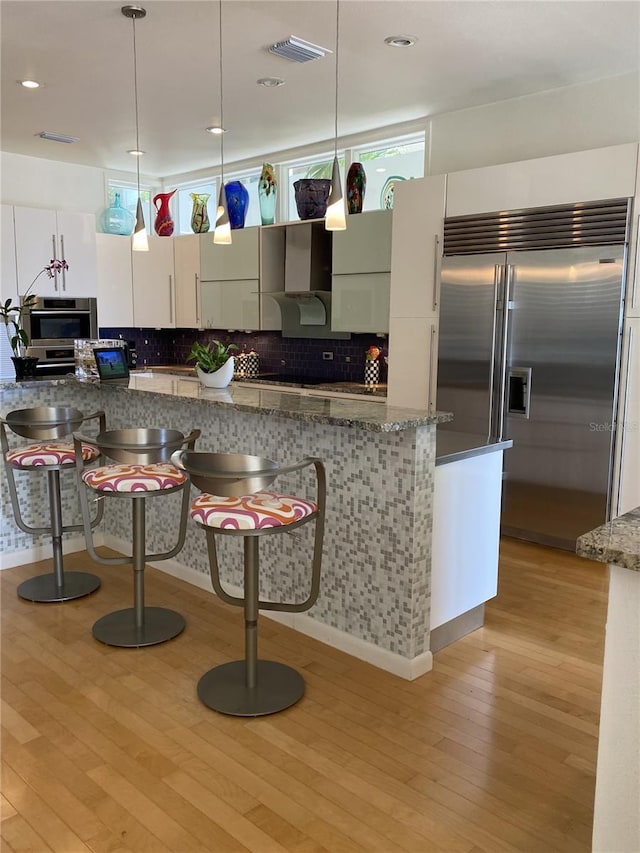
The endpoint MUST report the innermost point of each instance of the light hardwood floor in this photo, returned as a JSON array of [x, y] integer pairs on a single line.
[[109, 750]]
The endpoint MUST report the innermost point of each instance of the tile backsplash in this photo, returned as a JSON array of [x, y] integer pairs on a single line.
[[291, 356]]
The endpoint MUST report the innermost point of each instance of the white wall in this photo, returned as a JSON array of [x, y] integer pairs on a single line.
[[573, 118], [34, 182]]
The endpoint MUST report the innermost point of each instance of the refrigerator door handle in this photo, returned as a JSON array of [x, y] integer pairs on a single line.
[[497, 281], [504, 349]]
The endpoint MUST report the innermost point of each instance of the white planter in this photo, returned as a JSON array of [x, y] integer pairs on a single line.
[[220, 378]]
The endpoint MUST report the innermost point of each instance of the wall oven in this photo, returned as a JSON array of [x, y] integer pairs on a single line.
[[53, 323]]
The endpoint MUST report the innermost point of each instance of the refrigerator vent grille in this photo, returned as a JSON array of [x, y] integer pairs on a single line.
[[598, 223]]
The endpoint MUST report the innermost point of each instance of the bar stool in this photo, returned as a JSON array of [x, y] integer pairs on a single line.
[[142, 471], [235, 503], [47, 425]]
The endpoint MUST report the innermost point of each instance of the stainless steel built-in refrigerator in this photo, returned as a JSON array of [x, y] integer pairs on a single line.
[[530, 325]]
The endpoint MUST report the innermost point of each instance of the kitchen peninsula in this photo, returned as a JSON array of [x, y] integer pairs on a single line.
[[616, 820], [382, 463]]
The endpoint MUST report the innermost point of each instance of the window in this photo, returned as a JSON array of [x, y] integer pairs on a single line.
[[396, 160]]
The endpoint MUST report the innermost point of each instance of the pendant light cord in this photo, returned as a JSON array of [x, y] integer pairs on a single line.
[[135, 96], [221, 100], [335, 134]]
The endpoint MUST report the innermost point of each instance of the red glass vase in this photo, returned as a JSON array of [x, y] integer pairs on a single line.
[[163, 226]]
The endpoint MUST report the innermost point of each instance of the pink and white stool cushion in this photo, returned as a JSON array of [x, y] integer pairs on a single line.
[[51, 453], [250, 512], [134, 478]]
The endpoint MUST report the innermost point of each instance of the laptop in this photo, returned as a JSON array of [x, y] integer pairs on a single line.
[[112, 365]]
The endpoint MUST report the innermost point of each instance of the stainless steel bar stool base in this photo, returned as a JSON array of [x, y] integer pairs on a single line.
[[119, 628], [43, 588], [224, 689]]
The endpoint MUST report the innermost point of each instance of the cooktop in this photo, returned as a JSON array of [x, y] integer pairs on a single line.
[[293, 380]]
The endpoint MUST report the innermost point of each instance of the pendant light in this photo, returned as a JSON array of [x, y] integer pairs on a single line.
[[335, 218], [222, 231], [139, 242]]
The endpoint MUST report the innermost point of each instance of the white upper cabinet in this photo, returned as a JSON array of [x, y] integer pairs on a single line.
[[230, 305], [115, 280], [629, 419], [360, 266], [237, 262], [418, 224], [365, 246], [633, 282], [186, 258], [360, 303], [153, 285], [600, 173], [418, 221], [42, 235]]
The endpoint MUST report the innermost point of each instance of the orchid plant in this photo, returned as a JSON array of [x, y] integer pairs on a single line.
[[12, 315]]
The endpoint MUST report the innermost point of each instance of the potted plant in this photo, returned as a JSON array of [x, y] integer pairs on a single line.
[[214, 363], [13, 319]]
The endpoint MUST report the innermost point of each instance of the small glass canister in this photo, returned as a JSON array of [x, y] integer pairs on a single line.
[[253, 365], [240, 365]]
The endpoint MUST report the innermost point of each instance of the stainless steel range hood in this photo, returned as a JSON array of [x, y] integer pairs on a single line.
[[305, 303], [306, 315]]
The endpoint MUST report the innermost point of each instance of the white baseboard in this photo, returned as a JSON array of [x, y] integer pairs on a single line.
[[407, 668], [43, 552]]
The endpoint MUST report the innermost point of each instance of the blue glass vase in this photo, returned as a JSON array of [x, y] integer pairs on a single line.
[[117, 219], [237, 203]]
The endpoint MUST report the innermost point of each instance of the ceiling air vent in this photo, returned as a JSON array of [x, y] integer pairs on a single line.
[[56, 137], [298, 50]]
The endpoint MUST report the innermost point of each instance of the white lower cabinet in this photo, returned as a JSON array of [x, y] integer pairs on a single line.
[[153, 285], [360, 303], [231, 305], [115, 280]]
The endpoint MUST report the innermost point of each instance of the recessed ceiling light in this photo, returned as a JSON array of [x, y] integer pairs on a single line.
[[136, 153], [401, 41], [216, 129], [381, 169], [30, 84], [270, 82]]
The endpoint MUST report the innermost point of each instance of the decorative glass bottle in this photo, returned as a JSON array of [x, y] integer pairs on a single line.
[[199, 215], [117, 219], [267, 194], [237, 203], [356, 186], [163, 226]]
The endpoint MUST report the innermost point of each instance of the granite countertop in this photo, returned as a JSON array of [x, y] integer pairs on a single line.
[[454, 446], [299, 404], [617, 542]]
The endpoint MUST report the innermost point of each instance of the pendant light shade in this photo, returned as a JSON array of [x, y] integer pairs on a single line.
[[222, 233], [335, 217], [222, 230], [140, 242]]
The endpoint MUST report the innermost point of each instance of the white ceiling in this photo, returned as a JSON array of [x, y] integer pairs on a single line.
[[469, 52]]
